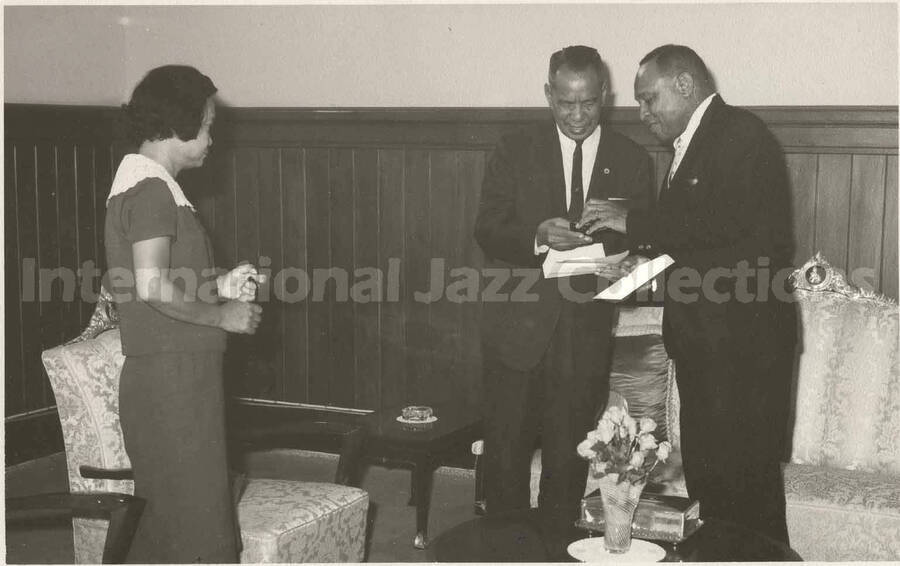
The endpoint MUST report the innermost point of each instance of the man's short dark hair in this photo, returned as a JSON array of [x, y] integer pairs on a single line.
[[169, 101], [674, 59], [577, 58]]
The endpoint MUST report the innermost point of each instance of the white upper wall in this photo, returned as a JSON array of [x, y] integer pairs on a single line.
[[445, 55]]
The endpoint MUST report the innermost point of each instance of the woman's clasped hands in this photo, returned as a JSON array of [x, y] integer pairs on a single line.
[[239, 286], [240, 283]]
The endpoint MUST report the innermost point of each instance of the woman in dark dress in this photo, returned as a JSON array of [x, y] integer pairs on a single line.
[[174, 311]]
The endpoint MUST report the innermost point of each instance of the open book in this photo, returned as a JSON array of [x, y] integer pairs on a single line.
[[634, 280]]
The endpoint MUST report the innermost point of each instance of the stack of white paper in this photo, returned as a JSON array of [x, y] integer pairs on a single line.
[[585, 259]]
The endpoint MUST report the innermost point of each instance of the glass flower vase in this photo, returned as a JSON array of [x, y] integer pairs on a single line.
[[619, 502]]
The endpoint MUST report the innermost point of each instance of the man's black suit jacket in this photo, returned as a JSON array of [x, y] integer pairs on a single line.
[[523, 186], [728, 202]]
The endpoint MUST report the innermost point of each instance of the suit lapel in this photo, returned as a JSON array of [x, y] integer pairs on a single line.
[[603, 166], [549, 176], [709, 117]]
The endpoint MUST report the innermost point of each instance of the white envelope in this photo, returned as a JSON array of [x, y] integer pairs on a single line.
[[579, 261], [633, 281]]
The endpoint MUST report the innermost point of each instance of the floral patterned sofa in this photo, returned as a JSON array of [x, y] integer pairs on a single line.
[[280, 521]]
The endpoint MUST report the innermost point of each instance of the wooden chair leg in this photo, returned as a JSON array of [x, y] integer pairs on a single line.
[[480, 502]]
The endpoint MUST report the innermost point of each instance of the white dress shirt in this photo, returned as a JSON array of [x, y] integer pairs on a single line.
[[682, 142], [588, 157]]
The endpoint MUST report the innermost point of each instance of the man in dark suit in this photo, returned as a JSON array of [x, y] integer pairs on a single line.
[[546, 351], [724, 215]]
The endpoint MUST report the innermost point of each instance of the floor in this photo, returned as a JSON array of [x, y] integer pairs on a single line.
[[391, 520]]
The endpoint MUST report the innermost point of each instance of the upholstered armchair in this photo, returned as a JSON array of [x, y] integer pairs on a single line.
[[842, 484], [280, 520]]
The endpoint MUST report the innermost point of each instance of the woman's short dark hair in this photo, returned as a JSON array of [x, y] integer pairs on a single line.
[[169, 101]]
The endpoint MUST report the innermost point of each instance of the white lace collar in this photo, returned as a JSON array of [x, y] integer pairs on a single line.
[[134, 168]]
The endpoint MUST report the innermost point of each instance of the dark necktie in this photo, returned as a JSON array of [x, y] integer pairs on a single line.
[[576, 203]]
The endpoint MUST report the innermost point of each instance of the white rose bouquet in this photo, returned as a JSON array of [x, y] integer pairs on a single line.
[[623, 446]]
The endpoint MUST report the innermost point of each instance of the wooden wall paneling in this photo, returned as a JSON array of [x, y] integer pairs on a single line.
[[249, 374], [252, 373], [14, 387], [471, 173], [294, 283], [248, 186], [223, 230], [269, 259], [318, 222], [67, 196], [89, 245], [200, 187], [833, 208], [368, 300], [105, 164], [866, 221], [51, 320], [416, 271], [343, 229], [26, 199], [119, 149], [445, 320], [803, 169], [32, 436], [889, 256], [834, 156], [392, 261], [836, 138]]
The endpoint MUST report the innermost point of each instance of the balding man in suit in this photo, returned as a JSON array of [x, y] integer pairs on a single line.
[[724, 215]]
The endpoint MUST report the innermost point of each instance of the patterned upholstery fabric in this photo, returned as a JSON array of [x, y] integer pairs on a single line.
[[89, 418], [842, 515], [848, 389], [280, 520], [288, 521], [89, 408], [105, 317], [638, 321]]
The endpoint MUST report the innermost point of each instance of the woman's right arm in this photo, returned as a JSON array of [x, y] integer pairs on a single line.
[[155, 287]]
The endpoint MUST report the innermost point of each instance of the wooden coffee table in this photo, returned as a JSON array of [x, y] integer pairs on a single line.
[[522, 536], [421, 447]]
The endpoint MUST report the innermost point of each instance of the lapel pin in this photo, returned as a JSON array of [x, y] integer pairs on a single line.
[[606, 171], [693, 181]]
